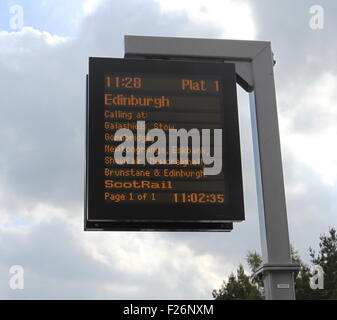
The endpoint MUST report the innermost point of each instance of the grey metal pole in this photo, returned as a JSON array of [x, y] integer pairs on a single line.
[[254, 67], [278, 268]]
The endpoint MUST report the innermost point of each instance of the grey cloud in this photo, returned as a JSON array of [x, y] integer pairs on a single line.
[[312, 210], [302, 54], [303, 57], [57, 267]]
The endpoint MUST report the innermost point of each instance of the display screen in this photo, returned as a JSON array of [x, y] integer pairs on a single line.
[[159, 175]]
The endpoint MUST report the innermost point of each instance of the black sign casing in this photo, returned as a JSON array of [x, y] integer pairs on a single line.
[[153, 215]]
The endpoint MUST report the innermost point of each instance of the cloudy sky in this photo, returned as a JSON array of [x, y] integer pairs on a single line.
[[43, 63]]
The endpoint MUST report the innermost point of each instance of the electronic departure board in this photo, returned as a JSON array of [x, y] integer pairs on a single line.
[[160, 180]]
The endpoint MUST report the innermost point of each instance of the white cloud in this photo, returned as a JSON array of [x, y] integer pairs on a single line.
[[233, 19], [149, 255], [26, 38], [61, 261], [309, 124], [89, 6]]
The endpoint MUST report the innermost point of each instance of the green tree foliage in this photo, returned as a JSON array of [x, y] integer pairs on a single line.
[[327, 259], [254, 261], [247, 287], [238, 287]]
